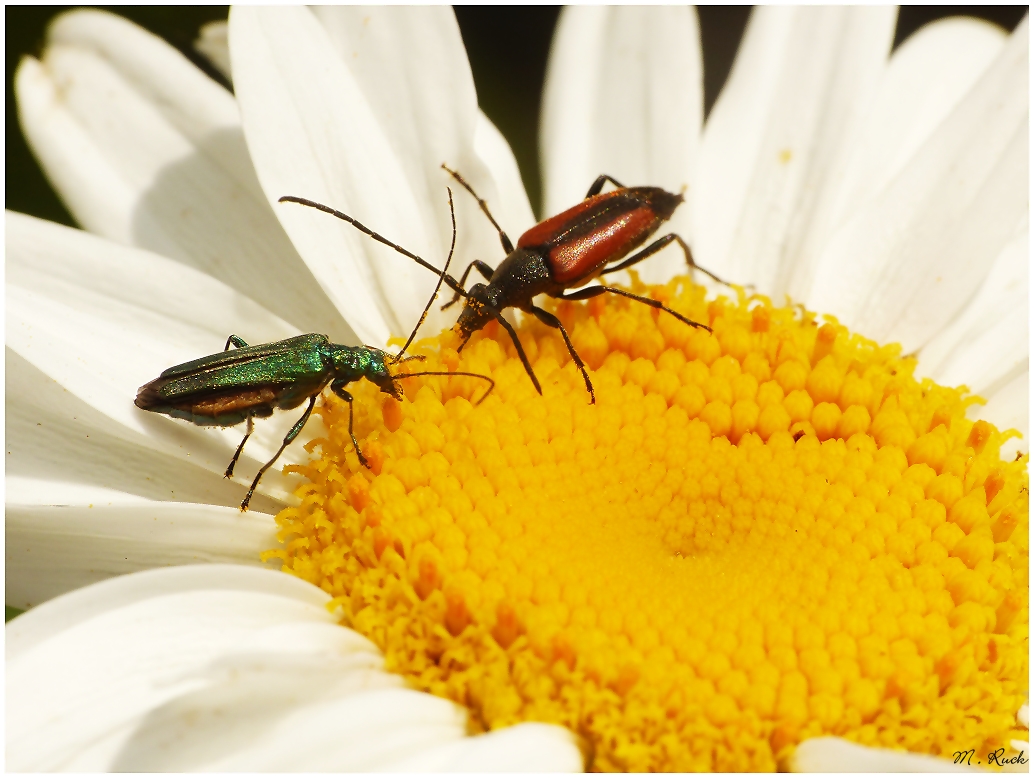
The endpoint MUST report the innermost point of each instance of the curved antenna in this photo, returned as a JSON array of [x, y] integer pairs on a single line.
[[455, 372], [452, 282], [481, 204], [438, 286]]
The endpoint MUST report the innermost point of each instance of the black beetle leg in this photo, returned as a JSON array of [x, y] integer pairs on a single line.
[[482, 268], [520, 349], [597, 185], [594, 291], [656, 246], [240, 448], [552, 321], [237, 341], [338, 388], [503, 238], [291, 435]]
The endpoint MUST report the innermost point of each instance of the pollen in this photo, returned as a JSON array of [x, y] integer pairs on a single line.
[[762, 533]]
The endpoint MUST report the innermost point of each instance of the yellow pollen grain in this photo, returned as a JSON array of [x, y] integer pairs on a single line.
[[760, 534]]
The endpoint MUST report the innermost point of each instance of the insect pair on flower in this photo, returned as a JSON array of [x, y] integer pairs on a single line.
[[555, 256]]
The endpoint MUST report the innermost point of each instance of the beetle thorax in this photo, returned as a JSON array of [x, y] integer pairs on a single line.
[[352, 363]]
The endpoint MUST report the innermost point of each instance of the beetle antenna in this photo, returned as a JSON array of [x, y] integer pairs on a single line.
[[452, 283], [482, 203], [438, 286], [491, 382]]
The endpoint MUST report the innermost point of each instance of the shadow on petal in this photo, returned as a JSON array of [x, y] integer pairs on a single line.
[[241, 244]]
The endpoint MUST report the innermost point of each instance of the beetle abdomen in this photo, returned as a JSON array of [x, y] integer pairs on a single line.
[[248, 399], [222, 409]]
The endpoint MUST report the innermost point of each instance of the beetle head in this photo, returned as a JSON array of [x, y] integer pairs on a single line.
[[368, 362], [379, 374], [390, 385], [478, 311]]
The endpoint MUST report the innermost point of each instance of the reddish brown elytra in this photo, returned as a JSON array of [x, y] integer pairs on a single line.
[[597, 231], [561, 253]]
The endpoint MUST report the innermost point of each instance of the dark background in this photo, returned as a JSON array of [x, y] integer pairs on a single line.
[[507, 47]]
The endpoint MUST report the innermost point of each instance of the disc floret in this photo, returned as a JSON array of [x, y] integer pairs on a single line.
[[759, 534]]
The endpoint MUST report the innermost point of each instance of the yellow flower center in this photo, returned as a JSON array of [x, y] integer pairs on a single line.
[[757, 535]]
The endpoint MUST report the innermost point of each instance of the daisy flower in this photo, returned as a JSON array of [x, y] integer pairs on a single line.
[[795, 540]]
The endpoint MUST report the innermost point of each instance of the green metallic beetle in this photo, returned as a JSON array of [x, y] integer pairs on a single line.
[[238, 385]]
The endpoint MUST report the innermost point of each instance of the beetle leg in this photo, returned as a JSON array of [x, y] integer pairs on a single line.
[[238, 342], [240, 448], [291, 435], [520, 349], [597, 185], [338, 388], [656, 246], [483, 268], [507, 245], [552, 321], [593, 291]]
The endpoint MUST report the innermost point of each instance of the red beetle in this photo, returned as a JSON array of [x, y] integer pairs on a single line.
[[560, 253], [567, 251]]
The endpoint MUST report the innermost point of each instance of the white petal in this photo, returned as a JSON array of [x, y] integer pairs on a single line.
[[775, 144], [224, 668], [314, 132], [83, 669], [411, 66], [924, 80], [213, 42], [70, 610], [835, 755], [73, 164], [61, 451], [51, 550], [624, 96], [522, 748], [355, 733], [989, 339], [1009, 408], [148, 151], [191, 101], [1024, 715], [904, 266], [103, 319], [297, 100]]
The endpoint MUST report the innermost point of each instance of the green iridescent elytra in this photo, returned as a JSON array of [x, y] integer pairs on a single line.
[[227, 388]]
